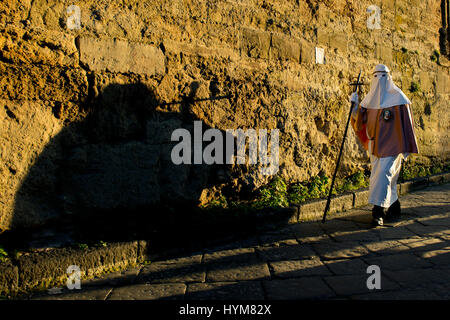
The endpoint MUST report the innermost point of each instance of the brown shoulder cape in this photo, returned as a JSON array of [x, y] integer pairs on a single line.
[[391, 130]]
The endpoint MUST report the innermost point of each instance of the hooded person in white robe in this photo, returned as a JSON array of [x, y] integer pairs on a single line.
[[384, 125]]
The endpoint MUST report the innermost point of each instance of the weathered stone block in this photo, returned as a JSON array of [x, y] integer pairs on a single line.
[[285, 48], [383, 53], [361, 198], [42, 82], [39, 270], [341, 203], [436, 179], [312, 211], [446, 177], [9, 278], [442, 83], [416, 184], [121, 56], [255, 43], [323, 37], [339, 41], [387, 4], [426, 83], [307, 52]]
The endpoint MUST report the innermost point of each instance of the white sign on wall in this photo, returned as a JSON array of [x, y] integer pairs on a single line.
[[320, 55]]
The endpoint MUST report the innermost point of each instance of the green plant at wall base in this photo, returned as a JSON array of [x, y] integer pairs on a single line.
[[412, 171], [278, 193], [298, 193], [274, 195], [317, 187], [353, 182]]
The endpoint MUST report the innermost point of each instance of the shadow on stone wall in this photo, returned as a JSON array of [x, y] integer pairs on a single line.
[[111, 177]]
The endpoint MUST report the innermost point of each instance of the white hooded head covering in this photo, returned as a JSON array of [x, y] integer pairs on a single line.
[[383, 92]]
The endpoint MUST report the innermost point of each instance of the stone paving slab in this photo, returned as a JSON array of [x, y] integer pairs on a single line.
[[232, 255], [339, 250], [386, 247], [426, 279], [185, 269], [299, 268], [235, 271], [244, 290], [398, 261], [294, 289], [439, 258], [354, 236], [310, 232], [243, 243], [82, 294], [347, 266], [435, 220], [427, 231], [286, 252], [164, 291], [338, 225], [114, 279], [421, 244], [395, 233], [268, 239]]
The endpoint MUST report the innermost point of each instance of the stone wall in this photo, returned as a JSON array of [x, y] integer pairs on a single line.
[[86, 114]]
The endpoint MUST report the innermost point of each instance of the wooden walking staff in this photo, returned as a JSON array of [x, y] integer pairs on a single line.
[[357, 84]]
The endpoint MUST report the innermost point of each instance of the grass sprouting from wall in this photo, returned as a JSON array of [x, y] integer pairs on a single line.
[[3, 254]]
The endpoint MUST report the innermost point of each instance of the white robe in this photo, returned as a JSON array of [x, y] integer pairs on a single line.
[[383, 179], [385, 171]]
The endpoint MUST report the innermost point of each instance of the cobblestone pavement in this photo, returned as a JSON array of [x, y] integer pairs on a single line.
[[305, 261]]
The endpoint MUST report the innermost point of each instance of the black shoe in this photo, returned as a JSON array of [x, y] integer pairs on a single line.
[[394, 211], [378, 215], [377, 222]]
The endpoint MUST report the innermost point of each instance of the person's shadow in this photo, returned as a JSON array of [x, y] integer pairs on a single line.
[[110, 177]]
